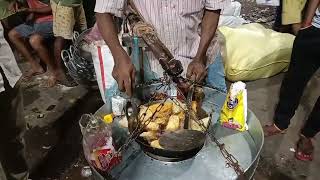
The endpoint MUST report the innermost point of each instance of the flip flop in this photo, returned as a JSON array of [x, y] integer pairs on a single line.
[[300, 154], [303, 157], [275, 130]]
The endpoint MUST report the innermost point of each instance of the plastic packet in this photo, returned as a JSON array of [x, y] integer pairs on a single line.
[[118, 104], [234, 110]]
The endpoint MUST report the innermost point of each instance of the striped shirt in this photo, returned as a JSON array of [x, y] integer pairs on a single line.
[[316, 19], [177, 23]]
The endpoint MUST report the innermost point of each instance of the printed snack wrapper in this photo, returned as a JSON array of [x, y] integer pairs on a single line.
[[234, 110]]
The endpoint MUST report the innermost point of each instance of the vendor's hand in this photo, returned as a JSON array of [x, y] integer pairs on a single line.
[[124, 73], [197, 70]]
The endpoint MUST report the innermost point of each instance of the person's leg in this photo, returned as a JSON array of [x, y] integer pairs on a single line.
[[312, 126], [216, 75], [11, 133], [43, 32], [17, 36], [37, 42], [303, 65], [80, 19], [278, 22], [63, 26], [305, 147]]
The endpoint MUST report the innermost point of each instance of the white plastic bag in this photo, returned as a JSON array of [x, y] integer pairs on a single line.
[[230, 16], [268, 2], [231, 21], [234, 9]]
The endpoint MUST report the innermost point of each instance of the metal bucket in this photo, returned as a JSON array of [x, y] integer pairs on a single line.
[[207, 164]]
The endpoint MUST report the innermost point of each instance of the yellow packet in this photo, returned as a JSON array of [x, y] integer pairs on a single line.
[[234, 110], [108, 118]]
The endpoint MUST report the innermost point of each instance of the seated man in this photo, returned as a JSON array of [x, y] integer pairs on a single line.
[[37, 28]]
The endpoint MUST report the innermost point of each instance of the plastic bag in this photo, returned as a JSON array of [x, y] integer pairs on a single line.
[[231, 21], [268, 2], [98, 144], [234, 110], [234, 9], [94, 36], [252, 52], [230, 16]]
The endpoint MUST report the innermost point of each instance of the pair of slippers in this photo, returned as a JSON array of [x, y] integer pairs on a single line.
[[304, 150]]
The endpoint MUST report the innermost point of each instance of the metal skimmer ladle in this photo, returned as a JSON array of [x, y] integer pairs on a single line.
[[184, 139]]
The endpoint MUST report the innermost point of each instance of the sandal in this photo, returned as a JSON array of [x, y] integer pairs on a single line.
[[271, 130], [305, 149]]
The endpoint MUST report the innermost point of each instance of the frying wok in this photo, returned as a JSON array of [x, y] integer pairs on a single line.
[[131, 111]]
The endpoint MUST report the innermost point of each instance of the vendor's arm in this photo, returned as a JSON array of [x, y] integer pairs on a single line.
[[123, 71], [312, 7], [197, 68], [208, 29]]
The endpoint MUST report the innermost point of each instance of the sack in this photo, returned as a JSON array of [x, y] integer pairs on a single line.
[[268, 2], [234, 110], [103, 65], [252, 52]]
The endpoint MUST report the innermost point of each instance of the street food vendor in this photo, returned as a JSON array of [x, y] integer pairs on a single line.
[[186, 27]]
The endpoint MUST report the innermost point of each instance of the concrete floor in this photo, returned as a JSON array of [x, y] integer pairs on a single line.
[[277, 158]]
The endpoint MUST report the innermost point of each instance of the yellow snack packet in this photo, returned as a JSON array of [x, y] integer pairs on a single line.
[[108, 118], [234, 110]]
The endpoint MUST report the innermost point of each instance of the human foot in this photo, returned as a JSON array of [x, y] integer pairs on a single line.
[[270, 130], [33, 72], [57, 77], [305, 149]]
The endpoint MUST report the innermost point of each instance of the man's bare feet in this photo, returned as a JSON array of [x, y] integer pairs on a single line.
[[33, 72], [270, 130], [58, 77], [305, 149], [52, 81]]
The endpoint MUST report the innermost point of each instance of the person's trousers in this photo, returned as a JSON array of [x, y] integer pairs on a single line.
[[12, 162], [304, 63]]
